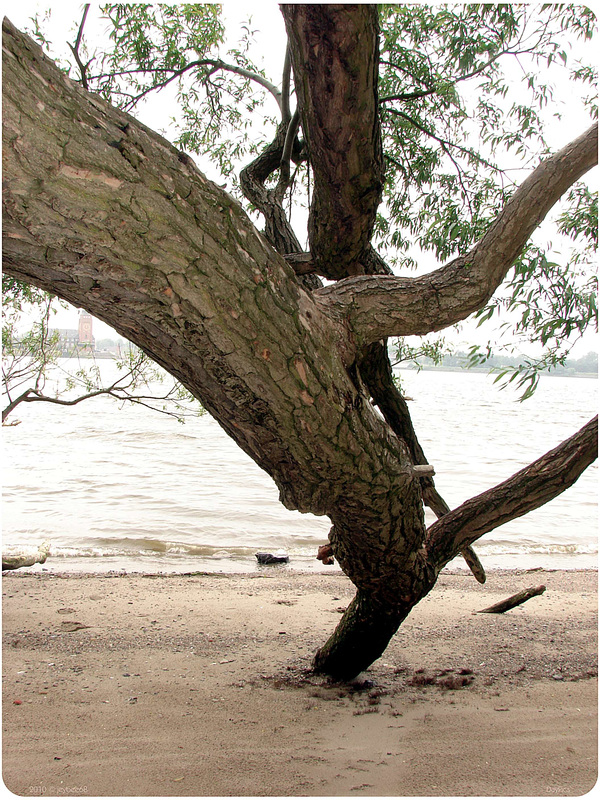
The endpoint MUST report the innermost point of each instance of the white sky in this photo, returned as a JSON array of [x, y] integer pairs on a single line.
[[266, 18]]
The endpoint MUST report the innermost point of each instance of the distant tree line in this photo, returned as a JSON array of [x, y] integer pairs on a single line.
[[586, 365], [106, 344]]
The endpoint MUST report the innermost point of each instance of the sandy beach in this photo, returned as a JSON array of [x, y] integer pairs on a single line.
[[197, 685]]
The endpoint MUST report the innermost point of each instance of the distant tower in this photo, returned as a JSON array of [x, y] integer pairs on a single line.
[[85, 329]]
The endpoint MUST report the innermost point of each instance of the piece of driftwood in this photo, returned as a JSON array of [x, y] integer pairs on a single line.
[[25, 557], [513, 600]]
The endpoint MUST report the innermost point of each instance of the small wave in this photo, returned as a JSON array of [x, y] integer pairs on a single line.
[[537, 549], [296, 545], [132, 548]]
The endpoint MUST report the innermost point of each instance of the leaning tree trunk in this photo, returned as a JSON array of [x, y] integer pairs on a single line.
[[114, 219], [111, 217]]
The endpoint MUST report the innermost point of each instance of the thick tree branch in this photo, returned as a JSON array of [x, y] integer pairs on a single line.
[[372, 263], [334, 50], [108, 215], [525, 491], [377, 307]]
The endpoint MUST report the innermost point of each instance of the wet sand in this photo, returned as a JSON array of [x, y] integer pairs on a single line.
[[198, 685]]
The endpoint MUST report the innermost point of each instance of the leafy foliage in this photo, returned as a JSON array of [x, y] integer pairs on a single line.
[[452, 124], [449, 117], [156, 46], [26, 357], [16, 294], [550, 302], [467, 94], [405, 352]]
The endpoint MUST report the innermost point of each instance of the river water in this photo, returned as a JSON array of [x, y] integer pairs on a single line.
[[131, 489]]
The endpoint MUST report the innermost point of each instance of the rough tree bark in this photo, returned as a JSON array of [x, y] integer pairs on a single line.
[[109, 216], [334, 56]]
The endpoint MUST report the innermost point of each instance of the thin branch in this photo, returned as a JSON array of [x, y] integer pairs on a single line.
[[445, 143], [286, 114], [518, 48], [75, 49], [215, 64], [35, 396], [387, 63], [460, 172], [418, 95], [286, 156], [46, 357]]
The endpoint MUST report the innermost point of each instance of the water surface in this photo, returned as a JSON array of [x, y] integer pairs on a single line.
[[128, 488]]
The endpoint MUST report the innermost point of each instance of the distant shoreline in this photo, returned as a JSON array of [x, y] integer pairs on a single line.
[[288, 571], [490, 371]]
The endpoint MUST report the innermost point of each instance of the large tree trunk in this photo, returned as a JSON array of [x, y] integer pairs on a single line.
[[112, 218], [335, 58], [109, 216]]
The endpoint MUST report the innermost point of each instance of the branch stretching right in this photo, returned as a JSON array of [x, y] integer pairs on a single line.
[[386, 305], [528, 489]]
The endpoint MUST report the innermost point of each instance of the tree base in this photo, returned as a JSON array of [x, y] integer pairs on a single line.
[[361, 637]]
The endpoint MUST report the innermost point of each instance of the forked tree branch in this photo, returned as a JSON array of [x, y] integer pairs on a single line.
[[526, 490], [375, 307]]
